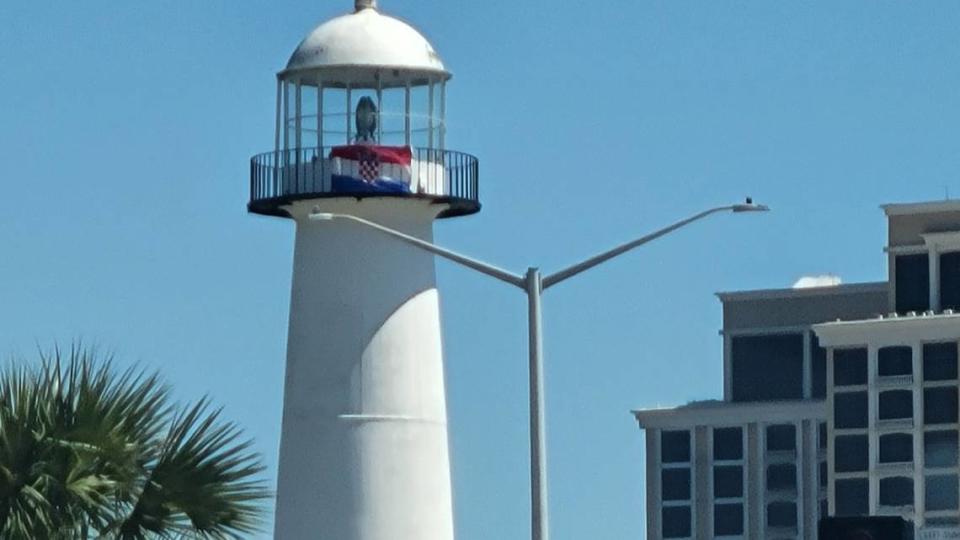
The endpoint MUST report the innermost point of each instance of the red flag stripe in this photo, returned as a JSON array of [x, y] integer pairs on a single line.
[[398, 155]]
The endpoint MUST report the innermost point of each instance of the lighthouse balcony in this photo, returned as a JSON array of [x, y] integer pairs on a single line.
[[444, 177]]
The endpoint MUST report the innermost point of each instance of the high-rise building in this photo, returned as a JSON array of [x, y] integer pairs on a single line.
[[838, 400]]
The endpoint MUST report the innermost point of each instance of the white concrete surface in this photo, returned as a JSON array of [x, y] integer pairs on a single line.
[[364, 450]]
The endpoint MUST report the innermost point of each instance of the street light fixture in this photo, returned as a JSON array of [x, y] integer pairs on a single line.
[[533, 283]]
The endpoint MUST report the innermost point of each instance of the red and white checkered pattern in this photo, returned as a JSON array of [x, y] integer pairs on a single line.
[[370, 168]]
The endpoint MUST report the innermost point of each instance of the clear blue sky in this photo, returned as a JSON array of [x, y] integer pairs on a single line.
[[126, 129]]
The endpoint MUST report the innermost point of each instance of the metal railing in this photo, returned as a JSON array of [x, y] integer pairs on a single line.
[[279, 177]]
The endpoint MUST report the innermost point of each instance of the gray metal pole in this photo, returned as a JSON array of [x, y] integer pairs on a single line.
[[534, 285], [538, 453]]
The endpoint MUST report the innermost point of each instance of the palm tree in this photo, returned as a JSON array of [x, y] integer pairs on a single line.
[[87, 451]]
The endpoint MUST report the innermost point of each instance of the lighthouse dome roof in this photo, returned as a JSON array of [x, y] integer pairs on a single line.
[[364, 48]]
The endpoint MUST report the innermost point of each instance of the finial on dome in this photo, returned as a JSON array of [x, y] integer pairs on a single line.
[[366, 4]]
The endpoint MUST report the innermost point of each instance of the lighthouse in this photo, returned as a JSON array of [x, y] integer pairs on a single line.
[[361, 130]]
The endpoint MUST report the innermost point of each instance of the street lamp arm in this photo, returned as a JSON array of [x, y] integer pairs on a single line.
[[569, 272], [462, 260]]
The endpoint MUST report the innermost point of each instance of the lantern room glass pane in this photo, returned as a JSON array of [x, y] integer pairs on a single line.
[[308, 117], [393, 117], [420, 116], [335, 117]]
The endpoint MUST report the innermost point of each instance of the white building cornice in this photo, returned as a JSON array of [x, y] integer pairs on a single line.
[[886, 331], [902, 209], [778, 294], [714, 413]]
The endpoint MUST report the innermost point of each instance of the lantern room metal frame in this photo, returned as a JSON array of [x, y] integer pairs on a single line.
[[292, 83]]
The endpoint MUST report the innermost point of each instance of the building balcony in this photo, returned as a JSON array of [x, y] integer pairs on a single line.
[[444, 177]]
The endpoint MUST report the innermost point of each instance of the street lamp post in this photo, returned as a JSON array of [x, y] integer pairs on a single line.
[[533, 283]]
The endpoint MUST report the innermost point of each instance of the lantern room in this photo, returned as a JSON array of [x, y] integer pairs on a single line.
[[361, 112]]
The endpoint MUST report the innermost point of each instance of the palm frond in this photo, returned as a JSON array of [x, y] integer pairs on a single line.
[[205, 479], [87, 450]]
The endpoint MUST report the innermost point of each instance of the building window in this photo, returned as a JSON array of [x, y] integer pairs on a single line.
[[675, 484], [940, 405], [896, 404], [676, 521], [849, 367], [781, 438], [727, 481], [940, 449], [767, 368], [728, 519], [675, 447], [940, 362], [896, 491], [913, 283], [941, 492], [950, 280], [850, 453], [727, 444], [818, 368], [853, 497], [850, 410], [896, 448], [894, 361], [782, 514], [782, 477]]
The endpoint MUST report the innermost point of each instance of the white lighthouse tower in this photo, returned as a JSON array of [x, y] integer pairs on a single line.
[[361, 130]]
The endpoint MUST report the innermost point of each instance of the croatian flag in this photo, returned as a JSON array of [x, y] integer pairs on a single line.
[[366, 168]]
